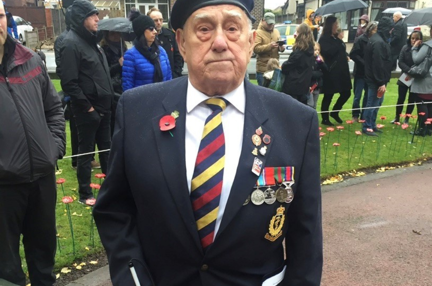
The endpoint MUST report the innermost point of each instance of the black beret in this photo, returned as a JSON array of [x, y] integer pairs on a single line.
[[141, 23], [182, 9]]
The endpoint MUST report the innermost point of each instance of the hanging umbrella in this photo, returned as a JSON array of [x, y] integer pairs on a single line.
[[340, 6], [121, 25], [420, 17], [393, 10]]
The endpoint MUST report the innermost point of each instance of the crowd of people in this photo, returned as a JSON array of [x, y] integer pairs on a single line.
[[319, 64]]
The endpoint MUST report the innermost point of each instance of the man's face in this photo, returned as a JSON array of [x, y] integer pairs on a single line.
[[158, 19], [91, 23], [217, 43], [267, 26], [3, 25], [396, 18]]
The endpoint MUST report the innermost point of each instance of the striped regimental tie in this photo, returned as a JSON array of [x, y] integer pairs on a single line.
[[208, 174]]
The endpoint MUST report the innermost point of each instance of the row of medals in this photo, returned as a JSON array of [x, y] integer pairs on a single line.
[[284, 194]]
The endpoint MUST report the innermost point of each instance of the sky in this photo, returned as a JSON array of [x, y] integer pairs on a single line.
[[271, 4]]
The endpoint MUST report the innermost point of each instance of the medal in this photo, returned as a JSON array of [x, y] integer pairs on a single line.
[[259, 131], [263, 150], [269, 196], [276, 224], [256, 140], [266, 139], [257, 166], [281, 194], [257, 197], [255, 151], [247, 201], [290, 195]]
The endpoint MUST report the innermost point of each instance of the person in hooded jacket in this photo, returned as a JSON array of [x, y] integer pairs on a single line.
[[87, 81], [361, 28], [378, 66], [357, 55], [337, 78], [312, 23], [298, 68], [32, 138], [146, 62]]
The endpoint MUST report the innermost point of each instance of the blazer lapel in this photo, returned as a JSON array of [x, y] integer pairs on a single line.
[[171, 149], [256, 115]]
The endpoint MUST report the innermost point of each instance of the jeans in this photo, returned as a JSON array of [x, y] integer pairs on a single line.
[[313, 98], [92, 127], [260, 78], [370, 114], [359, 86]]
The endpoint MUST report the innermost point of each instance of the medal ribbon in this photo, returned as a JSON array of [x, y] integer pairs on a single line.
[[270, 176], [289, 174], [266, 178]]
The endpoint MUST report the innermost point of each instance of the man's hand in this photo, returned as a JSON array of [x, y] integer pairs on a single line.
[[274, 45], [382, 89], [91, 109]]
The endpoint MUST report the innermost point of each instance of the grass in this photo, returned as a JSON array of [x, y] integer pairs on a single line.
[[389, 148]]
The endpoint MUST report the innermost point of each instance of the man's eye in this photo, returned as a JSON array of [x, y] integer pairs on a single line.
[[232, 29]]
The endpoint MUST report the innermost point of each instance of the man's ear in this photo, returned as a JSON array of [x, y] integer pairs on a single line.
[[181, 43], [252, 36]]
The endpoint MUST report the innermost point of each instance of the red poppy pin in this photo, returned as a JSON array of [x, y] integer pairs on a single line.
[[167, 122]]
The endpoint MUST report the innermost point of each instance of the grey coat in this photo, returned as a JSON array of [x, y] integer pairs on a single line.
[[422, 85]]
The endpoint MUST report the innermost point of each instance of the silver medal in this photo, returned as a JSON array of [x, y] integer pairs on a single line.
[[269, 196], [257, 197], [290, 196]]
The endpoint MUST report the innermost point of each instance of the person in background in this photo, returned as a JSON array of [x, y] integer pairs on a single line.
[[360, 85], [166, 39], [398, 37], [11, 24], [32, 139], [377, 59], [361, 28], [317, 32], [272, 65], [422, 87], [298, 68], [266, 46], [337, 78], [146, 62], [318, 69], [310, 21], [405, 63]]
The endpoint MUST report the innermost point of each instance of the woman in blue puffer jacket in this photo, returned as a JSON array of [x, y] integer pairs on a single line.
[[146, 62]]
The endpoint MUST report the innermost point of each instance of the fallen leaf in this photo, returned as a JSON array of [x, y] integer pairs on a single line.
[[86, 248], [78, 267], [74, 264], [75, 214], [94, 262], [82, 263], [65, 270], [57, 275], [417, 232], [59, 172]]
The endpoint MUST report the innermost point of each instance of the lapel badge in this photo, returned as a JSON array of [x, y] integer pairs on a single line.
[[263, 150], [247, 201], [276, 224], [266, 139], [256, 140], [257, 166], [255, 151], [259, 131]]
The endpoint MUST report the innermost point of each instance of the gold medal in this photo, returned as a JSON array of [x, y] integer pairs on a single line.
[[276, 224], [256, 140]]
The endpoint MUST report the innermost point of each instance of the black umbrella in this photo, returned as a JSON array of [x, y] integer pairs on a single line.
[[121, 25], [393, 10], [340, 6], [420, 17]]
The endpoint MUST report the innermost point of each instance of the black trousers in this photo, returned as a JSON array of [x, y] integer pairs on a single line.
[[325, 104], [423, 105], [402, 92], [92, 127], [28, 209], [74, 135]]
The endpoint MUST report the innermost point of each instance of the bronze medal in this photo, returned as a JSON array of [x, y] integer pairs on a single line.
[[257, 197], [281, 194]]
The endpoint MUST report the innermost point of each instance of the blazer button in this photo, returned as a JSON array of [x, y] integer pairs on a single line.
[[204, 267]]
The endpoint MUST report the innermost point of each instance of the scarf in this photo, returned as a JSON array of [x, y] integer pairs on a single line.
[[152, 55]]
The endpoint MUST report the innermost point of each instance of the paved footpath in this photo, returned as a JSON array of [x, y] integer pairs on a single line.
[[377, 231]]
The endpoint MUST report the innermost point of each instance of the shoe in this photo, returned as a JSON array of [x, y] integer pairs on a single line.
[[336, 117], [406, 120], [88, 202], [355, 119], [74, 167], [420, 132], [95, 164], [370, 133], [376, 130], [327, 122], [394, 120]]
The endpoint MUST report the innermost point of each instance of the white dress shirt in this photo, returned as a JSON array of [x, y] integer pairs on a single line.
[[232, 122]]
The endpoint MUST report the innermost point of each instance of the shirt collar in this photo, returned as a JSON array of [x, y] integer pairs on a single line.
[[236, 98]]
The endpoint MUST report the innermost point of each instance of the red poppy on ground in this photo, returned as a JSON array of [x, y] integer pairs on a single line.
[[67, 200], [336, 144], [429, 119], [340, 127], [408, 115], [349, 122], [319, 128], [60, 181], [100, 176], [358, 132], [379, 126], [330, 129], [362, 121], [322, 134], [404, 126], [402, 115], [428, 123], [95, 186], [422, 113], [383, 118], [167, 123], [414, 116], [397, 123], [369, 129], [90, 202]]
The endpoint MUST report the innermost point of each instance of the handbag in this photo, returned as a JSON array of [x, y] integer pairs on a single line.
[[277, 80], [422, 69]]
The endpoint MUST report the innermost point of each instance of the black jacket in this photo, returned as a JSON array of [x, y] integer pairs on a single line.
[[398, 38], [87, 77], [57, 47], [115, 67], [378, 60], [405, 60], [337, 78], [318, 69], [357, 54], [168, 42], [32, 126], [298, 72]]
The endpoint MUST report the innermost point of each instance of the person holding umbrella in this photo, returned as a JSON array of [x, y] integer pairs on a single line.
[[398, 37], [146, 62]]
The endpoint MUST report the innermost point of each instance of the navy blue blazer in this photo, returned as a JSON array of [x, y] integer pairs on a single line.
[[144, 213]]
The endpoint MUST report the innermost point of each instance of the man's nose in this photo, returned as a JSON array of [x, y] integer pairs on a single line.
[[220, 41]]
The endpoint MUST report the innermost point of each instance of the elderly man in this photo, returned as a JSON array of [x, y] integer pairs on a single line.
[[206, 178], [167, 40], [266, 46], [398, 37], [32, 138]]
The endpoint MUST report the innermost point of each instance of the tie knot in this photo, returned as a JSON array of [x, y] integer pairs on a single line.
[[217, 103]]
